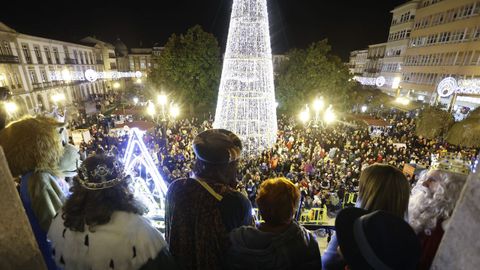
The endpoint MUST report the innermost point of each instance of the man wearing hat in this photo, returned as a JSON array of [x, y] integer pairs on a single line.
[[203, 209]]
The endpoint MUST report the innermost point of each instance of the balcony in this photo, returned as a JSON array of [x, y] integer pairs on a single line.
[[372, 70], [9, 59], [70, 61]]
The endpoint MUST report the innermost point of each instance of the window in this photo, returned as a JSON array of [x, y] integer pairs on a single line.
[[83, 57], [48, 55], [17, 80], [44, 75], [26, 53], [38, 54], [56, 55], [33, 76], [75, 56], [6, 48]]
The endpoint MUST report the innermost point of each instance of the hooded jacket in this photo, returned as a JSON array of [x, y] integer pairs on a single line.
[[252, 249]]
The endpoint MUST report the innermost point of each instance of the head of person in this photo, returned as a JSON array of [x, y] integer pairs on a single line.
[[217, 153], [277, 200], [435, 195], [99, 189], [383, 187], [376, 240]]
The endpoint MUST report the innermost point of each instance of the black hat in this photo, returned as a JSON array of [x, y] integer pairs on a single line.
[[217, 146], [377, 240]]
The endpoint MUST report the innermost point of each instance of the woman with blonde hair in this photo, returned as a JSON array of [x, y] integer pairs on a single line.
[[381, 187], [279, 242]]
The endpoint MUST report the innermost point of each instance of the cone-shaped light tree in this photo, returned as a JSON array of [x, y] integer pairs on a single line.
[[246, 99]]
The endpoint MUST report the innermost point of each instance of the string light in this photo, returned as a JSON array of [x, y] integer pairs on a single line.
[[246, 99], [137, 156]]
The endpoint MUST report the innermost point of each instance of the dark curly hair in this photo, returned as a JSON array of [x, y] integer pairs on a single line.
[[95, 207]]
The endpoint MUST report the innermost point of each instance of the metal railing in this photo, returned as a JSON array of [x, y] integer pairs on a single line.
[[9, 59]]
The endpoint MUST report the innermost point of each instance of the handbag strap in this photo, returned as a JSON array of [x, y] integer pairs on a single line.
[[209, 189]]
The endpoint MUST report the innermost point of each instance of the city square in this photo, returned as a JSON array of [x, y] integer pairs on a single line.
[[242, 134]]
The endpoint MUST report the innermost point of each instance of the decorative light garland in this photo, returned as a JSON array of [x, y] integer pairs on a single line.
[[246, 100], [449, 85], [91, 75]]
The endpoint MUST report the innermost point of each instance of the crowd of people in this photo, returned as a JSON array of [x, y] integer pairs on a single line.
[[325, 163], [397, 221]]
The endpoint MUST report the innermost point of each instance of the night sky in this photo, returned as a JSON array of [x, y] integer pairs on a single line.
[[348, 24]]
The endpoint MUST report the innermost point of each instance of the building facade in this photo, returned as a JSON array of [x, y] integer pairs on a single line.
[[444, 42], [358, 60], [403, 18], [374, 63], [35, 68]]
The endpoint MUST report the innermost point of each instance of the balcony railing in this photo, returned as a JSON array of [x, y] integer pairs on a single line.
[[9, 59], [70, 61]]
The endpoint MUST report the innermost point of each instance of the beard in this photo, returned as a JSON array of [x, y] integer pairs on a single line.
[[422, 210]]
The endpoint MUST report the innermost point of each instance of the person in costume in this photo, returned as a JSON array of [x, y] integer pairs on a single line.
[[101, 224], [203, 209], [35, 151], [432, 202]]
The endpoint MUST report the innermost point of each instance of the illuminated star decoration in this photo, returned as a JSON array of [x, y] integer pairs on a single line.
[[246, 100], [150, 191]]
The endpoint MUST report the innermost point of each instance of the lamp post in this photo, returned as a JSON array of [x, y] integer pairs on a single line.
[[171, 113], [325, 118]]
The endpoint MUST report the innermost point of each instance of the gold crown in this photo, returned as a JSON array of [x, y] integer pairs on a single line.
[[450, 162]]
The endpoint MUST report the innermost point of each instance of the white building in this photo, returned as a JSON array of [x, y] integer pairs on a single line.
[[403, 18], [30, 68], [358, 60]]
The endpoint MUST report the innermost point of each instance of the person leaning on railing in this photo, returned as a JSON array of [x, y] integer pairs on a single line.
[[279, 242], [381, 187]]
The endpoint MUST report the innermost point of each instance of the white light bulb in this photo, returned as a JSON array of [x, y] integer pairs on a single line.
[[246, 99]]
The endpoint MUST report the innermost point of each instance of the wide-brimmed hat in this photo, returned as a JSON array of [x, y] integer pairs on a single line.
[[217, 146], [376, 240]]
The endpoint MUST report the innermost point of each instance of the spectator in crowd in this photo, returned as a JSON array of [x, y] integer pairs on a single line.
[[381, 187], [279, 242], [433, 199], [203, 209], [101, 227], [377, 240]]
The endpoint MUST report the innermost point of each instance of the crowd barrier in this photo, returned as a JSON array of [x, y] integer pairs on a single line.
[[312, 216], [350, 199]]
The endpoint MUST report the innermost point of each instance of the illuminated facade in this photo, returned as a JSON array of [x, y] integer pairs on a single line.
[[445, 42], [357, 62], [28, 64], [403, 17]]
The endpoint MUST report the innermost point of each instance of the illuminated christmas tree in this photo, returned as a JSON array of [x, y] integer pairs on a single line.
[[246, 99]]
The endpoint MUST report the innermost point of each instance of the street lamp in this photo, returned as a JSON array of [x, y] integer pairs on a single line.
[[174, 111], [318, 105], [56, 98], [364, 108], [116, 85], [329, 116], [151, 110], [402, 100], [135, 100], [304, 115], [10, 107]]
